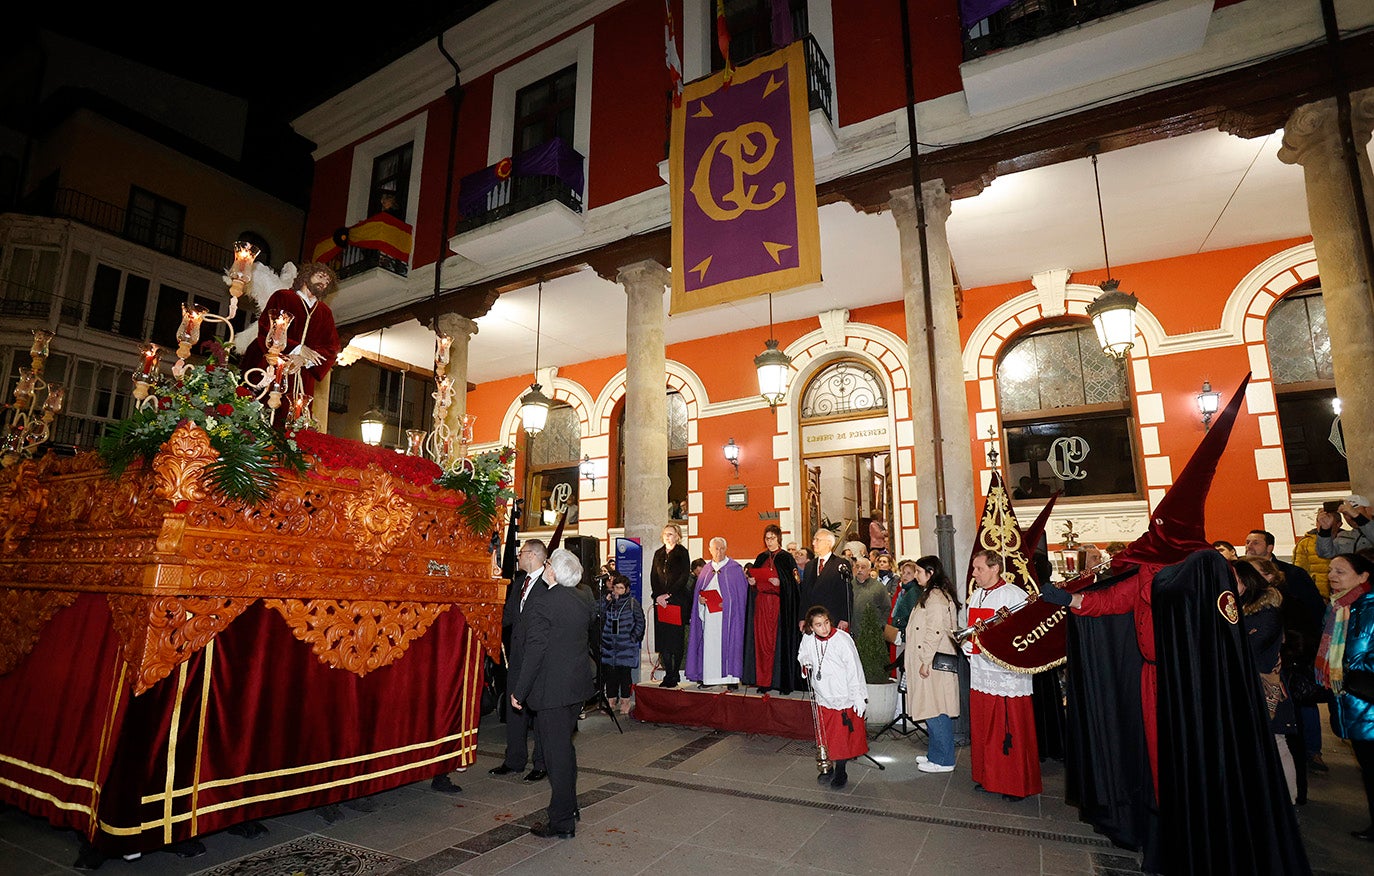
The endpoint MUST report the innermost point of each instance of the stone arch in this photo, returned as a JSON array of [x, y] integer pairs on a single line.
[[679, 378], [884, 352], [559, 389]]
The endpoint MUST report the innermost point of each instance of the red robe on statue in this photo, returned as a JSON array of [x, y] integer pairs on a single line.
[[313, 326]]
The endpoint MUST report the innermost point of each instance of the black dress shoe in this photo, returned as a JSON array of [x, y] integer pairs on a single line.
[[825, 777], [545, 832], [501, 770], [666, 683], [762, 690], [1366, 834], [536, 775], [840, 780], [441, 783]]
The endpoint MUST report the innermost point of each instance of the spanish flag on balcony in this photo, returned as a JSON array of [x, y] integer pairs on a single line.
[[382, 232]]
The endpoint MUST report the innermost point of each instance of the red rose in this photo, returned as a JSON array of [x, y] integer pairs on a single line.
[[209, 366], [164, 403], [224, 409], [243, 392]]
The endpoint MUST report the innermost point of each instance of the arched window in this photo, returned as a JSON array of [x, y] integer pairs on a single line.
[[1305, 387], [677, 460], [1066, 416], [846, 388], [551, 459]]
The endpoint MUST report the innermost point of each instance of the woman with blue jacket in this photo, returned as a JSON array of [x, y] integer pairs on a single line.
[[622, 631], [1345, 663]]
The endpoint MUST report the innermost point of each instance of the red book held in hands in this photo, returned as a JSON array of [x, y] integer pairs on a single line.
[[669, 614], [715, 603]]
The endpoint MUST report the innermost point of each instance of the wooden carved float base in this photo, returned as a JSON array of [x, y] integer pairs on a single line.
[[23, 615], [357, 635]]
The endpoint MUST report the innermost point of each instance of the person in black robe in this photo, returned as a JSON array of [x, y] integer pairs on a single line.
[[670, 584], [1223, 800]]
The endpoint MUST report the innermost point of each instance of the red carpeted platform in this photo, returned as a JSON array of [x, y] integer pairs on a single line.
[[721, 710]]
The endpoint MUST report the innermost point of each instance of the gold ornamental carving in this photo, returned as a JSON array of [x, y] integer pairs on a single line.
[[23, 614], [360, 635], [159, 633], [377, 517], [22, 499], [178, 466]]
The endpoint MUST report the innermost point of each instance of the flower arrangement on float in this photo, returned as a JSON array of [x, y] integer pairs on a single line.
[[487, 479], [252, 453]]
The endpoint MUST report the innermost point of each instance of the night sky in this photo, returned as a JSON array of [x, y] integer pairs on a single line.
[[297, 56]]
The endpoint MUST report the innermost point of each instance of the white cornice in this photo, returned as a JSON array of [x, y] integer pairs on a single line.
[[480, 44]]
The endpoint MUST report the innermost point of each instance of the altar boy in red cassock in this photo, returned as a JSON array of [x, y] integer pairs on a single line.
[[830, 662], [312, 341]]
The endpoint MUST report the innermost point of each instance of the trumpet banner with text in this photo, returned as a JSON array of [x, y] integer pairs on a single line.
[[743, 185]]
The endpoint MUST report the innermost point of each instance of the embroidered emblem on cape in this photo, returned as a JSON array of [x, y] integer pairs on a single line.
[[1226, 604]]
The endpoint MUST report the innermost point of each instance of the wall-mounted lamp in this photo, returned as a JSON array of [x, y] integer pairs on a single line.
[[732, 454], [588, 469], [1208, 401]]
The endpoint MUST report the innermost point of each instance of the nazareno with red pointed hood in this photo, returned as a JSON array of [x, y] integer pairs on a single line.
[[1212, 765]]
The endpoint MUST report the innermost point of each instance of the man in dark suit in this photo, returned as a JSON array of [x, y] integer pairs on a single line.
[[826, 580], [527, 587], [556, 678]]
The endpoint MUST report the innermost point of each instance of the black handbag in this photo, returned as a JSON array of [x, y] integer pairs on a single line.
[[1305, 691], [943, 662]]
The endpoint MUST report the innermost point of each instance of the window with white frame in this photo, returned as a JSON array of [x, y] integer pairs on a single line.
[[1299, 345], [1066, 416]]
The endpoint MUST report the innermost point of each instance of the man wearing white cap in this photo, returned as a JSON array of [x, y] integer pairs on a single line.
[[1356, 510]]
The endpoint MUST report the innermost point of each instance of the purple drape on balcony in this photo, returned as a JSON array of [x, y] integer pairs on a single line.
[[781, 24], [974, 11], [551, 158]]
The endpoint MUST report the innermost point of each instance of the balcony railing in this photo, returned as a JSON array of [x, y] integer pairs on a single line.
[[356, 260], [1025, 20], [102, 215], [551, 171], [818, 91], [338, 397]]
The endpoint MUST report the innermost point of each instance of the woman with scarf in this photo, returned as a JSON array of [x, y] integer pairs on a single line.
[[1345, 663]]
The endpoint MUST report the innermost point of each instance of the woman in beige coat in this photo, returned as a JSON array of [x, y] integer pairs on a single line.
[[932, 682]]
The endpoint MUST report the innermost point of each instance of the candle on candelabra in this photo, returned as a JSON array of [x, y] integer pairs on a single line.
[[443, 397], [149, 354], [189, 332], [41, 339], [23, 390], [415, 442], [53, 403], [245, 254], [276, 334], [465, 435], [300, 406], [441, 353]]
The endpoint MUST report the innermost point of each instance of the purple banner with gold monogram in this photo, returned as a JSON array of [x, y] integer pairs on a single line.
[[743, 185]]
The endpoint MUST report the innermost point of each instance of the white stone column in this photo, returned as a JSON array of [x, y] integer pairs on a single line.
[[645, 436], [949, 373], [461, 329], [1312, 139]]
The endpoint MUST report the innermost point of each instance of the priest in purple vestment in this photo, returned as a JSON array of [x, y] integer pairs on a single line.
[[715, 644]]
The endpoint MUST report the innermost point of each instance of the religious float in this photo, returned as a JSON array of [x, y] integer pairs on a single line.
[[215, 621]]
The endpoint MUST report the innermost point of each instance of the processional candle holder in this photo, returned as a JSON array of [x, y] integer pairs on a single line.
[[241, 274], [29, 418], [276, 335], [1072, 558], [415, 442]]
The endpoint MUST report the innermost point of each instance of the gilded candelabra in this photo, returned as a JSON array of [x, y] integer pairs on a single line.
[[29, 418]]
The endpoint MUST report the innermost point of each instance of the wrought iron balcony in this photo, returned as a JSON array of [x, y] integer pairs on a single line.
[[551, 171], [338, 397], [104, 216], [818, 89], [356, 260], [1025, 20]]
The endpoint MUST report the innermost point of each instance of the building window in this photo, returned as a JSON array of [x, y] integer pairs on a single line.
[[29, 282], [1305, 386], [546, 109], [389, 190], [551, 469], [154, 221], [844, 389], [750, 23], [1066, 417]]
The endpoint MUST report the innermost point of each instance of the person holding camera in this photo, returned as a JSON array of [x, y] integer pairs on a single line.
[[1332, 540]]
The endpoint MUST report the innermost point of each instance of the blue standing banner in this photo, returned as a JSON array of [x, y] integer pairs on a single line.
[[629, 561]]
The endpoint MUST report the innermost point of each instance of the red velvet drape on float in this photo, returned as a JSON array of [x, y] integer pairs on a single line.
[[251, 726], [775, 716]]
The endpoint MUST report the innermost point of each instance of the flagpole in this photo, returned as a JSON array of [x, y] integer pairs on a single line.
[[944, 524]]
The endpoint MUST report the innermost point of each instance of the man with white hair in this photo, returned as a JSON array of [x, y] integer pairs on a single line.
[[556, 678], [826, 580], [715, 640]]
